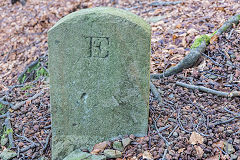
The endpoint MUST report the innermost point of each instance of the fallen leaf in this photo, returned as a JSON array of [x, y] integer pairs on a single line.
[[214, 38], [99, 147], [216, 157], [199, 151], [196, 138], [181, 150], [147, 155]]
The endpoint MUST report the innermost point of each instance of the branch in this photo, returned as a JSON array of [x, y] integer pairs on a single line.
[[18, 105], [195, 53], [162, 3], [208, 90], [47, 142], [228, 24], [9, 128], [155, 92]]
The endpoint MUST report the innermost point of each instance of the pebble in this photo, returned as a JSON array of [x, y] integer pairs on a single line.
[[118, 146], [110, 153], [126, 142], [7, 154], [132, 136], [175, 134], [234, 157], [229, 148]]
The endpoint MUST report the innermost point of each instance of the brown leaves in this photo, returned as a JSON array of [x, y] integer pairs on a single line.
[[199, 151], [214, 38], [196, 138], [100, 147]]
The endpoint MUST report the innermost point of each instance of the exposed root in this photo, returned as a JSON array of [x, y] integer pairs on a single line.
[[195, 53]]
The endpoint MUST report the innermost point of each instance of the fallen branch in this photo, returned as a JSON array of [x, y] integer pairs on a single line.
[[9, 128], [162, 3], [227, 121], [228, 24], [33, 144], [6, 103], [18, 105], [195, 53], [47, 142], [208, 90], [155, 92], [3, 116]]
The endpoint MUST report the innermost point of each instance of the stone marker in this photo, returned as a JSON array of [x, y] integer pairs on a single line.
[[99, 63]]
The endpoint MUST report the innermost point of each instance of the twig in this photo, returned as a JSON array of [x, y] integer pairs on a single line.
[[155, 92], [47, 127], [172, 131], [227, 121], [238, 132], [27, 67], [163, 128], [3, 116], [18, 105], [162, 3], [208, 90], [6, 103], [160, 135], [226, 109], [33, 144], [9, 128], [164, 154], [179, 122], [47, 141], [230, 34]]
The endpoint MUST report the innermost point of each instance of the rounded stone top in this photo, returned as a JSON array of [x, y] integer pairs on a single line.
[[100, 11]]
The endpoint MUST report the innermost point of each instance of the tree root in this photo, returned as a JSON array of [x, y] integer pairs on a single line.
[[155, 92], [195, 53], [208, 90]]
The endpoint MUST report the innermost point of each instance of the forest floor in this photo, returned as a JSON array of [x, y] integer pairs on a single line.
[[187, 124]]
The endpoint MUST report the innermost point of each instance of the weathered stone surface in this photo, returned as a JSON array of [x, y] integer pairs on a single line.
[[110, 153], [79, 155], [99, 63], [118, 146], [7, 154], [126, 142]]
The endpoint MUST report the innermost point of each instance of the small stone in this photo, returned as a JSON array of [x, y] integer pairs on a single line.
[[110, 153], [126, 142], [234, 157], [147, 155], [171, 96], [118, 146], [7, 154], [4, 141], [229, 148], [100, 147], [175, 134], [132, 136], [79, 155]]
